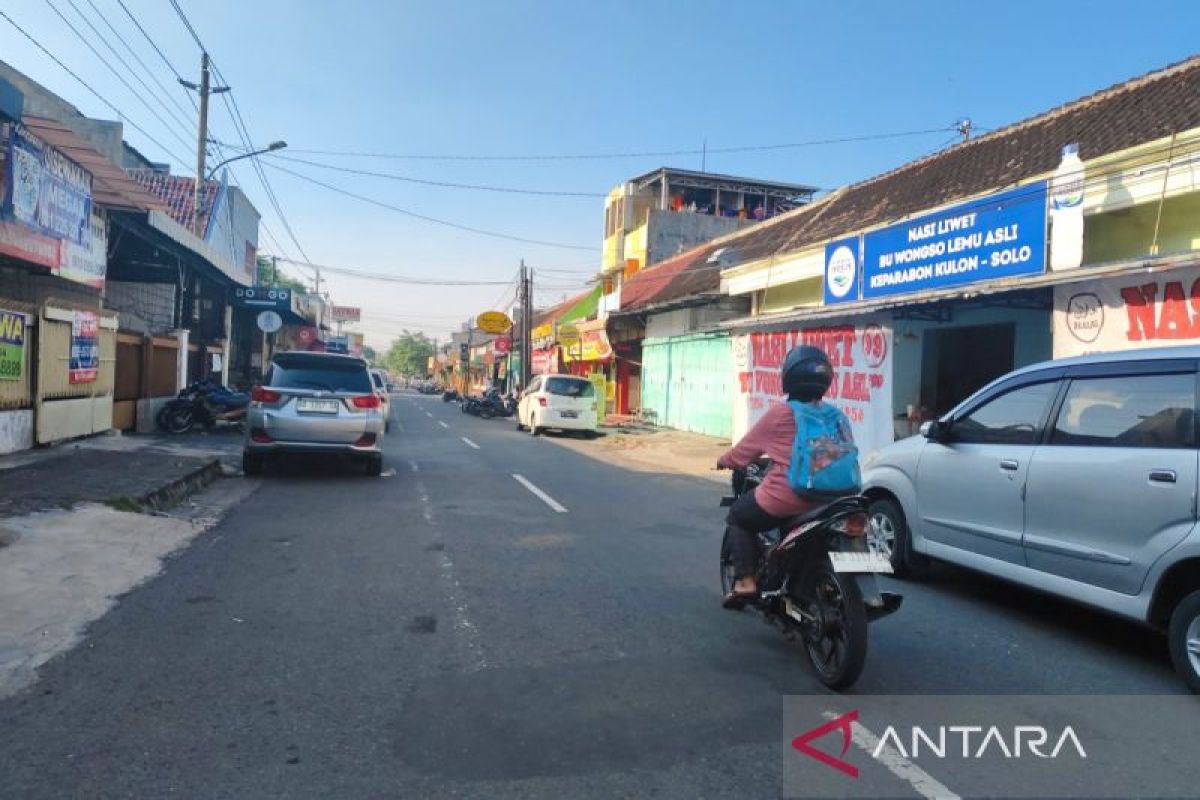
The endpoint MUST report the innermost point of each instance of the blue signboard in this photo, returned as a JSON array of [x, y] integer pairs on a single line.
[[47, 191], [841, 271], [1000, 236]]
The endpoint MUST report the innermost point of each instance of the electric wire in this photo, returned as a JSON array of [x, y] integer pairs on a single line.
[[172, 97], [124, 117], [166, 126], [444, 184], [634, 154], [424, 217], [184, 122]]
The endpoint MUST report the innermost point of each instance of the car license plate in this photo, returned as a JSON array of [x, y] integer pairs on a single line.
[[568, 414], [860, 562], [307, 405]]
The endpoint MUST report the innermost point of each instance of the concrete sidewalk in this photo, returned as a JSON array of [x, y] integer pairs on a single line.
[[69, 546], [152, 471]]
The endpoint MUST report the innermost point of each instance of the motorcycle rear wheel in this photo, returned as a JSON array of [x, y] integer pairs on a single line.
[[835, 636], [179, 420]]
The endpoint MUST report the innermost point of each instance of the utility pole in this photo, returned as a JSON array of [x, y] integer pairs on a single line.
[[964, 128], [526, 325], [204, 89], [274, 270]]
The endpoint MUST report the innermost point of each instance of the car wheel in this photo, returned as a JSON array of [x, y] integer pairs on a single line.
[[534, 428], [253, 463], [1183, 638], [520, 427], [374, 466], [888, 534]]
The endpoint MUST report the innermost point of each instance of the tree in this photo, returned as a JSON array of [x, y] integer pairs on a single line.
[[370, 355], [409, 354], [267, 277]]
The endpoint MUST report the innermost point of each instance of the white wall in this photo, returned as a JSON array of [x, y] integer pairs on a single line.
[[16, 430]]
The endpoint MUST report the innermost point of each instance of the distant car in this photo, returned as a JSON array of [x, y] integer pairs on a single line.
[[383, 389], [315, 403], [561, 402], [1075, 477]]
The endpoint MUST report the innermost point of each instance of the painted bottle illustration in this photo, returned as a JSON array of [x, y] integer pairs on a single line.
[[1066, 211]]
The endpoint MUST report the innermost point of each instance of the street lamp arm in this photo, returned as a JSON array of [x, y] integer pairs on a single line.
[[273, 146]]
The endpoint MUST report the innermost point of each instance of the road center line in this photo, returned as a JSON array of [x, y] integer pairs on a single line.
[[469, 442], [921, 781], [414, 466], [539, 494], [444, 425], [429, 415]]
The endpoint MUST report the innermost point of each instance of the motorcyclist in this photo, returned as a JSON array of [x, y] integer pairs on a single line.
[[806, 376]]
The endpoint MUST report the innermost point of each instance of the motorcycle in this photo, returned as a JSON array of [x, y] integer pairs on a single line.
[[203, 403], [450, 396], [490, 404], [817, 580]]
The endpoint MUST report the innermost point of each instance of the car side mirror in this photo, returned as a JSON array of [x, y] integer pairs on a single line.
[[936, 430]]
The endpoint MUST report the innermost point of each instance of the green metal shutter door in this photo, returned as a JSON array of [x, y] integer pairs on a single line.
[[688, 383]]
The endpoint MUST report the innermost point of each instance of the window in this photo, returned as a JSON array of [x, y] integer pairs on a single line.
[[322, 373], [570, 387], [1128, 411], [1011, 418]]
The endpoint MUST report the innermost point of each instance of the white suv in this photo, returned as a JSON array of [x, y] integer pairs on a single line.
[[563, 402]]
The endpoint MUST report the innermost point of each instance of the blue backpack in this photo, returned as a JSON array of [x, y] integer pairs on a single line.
[[824, 456]]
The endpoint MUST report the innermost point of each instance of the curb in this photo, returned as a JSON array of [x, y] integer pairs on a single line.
[[177, 491]]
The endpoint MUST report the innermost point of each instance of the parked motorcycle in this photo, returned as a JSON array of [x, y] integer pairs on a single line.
[[450, 396], [817, 583], [203, 403], [490, 404]]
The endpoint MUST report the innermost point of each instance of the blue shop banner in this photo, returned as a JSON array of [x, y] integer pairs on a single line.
[[1000, 236], [47, 191], [841, 271]]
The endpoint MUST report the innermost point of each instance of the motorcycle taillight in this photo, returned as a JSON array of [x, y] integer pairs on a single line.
[[852, 524]]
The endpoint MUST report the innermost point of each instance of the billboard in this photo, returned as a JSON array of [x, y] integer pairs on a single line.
[[999, 236]]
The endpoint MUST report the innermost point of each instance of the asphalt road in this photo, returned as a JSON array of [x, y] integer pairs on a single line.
[[443, 631]]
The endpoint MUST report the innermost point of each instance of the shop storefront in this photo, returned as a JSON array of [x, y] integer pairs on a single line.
[[590, 355]]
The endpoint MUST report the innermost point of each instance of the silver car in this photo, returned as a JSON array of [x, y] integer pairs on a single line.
[[315, 403], [1075, 477]]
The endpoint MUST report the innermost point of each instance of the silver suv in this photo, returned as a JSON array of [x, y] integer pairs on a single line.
[[1075, 477], [315, 403]]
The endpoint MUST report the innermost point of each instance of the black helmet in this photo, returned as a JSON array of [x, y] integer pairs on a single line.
[[807, 373]]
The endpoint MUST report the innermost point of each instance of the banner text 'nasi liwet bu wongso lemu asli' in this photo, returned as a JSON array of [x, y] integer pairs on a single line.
[[862, 362]]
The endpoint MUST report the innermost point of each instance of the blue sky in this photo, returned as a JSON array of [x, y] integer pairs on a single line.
[[527, 78]]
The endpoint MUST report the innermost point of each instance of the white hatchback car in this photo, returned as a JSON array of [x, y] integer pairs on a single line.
[[562, 402]]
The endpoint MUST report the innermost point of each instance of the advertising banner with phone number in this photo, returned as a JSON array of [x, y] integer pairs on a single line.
[[12, 345], [85, 347], [861, 354]]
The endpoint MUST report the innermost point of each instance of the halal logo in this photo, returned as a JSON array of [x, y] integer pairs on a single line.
[[841, 271], [1085, 317]]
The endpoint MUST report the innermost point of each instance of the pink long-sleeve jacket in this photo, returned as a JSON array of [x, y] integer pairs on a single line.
[[773, 436]]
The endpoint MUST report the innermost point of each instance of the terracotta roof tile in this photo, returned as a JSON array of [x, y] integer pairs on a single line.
[[176, 192]]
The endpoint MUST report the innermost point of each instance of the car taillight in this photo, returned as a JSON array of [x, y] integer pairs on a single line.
[[542, 402], [365, 401], [260, 436], [852, 524], [366, 440], [263, 395]]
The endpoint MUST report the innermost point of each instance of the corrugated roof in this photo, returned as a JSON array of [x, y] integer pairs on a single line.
[[111, 186], [555, 312], [177, 192], [686, 274]]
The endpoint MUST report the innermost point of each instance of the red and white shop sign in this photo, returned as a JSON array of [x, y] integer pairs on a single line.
[[544, 362], [861, 354], [1128, 313]]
